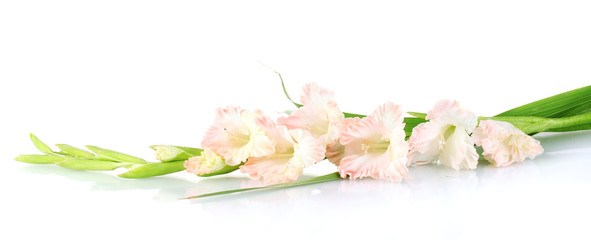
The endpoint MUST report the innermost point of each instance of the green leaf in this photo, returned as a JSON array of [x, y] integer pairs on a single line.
[[39, 159], [411, 123], [154, 169], [40, 145], [92, 165], [321, 179], [122, 157], [566, 104], [74, 151]]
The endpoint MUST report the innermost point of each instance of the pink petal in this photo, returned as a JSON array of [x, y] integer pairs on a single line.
[[278, 134], [504, 144], [307, 149], [375, 146], [378, 166], [312, 93], [445, 138], [388, 114], [320, 114], [425, 143], [452, 113], [336, 151], [272, 169], [235, 136], [288, 164], [205, 163]]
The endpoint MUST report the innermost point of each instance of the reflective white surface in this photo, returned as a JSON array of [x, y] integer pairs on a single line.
[[545, 197], [128, 74]]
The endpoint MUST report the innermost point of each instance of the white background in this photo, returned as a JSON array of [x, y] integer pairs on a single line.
[[127, 74]]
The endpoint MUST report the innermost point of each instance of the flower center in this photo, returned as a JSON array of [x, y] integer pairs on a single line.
[[447, 132], [374, 147]]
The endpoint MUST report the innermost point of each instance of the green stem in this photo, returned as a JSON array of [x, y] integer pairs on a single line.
[[571, 121], [532, 125]]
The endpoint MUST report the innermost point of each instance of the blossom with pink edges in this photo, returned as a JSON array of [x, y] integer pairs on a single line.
[[236, 137], [294, 150], [374, 146], [445, 139], [504, 144]]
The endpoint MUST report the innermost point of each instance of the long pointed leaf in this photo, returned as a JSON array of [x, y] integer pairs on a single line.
[[321, 179], [569, 103]]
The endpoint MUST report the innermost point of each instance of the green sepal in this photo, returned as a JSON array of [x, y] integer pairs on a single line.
[[175, 153], [39, 159], [154, 169], [226, 169], [320, 179], [91, 165], [353, 115], [74, 151], [122, 157], [417, 114], [40, 145]]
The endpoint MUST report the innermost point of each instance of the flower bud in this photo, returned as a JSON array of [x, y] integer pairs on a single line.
[[208, 164], [153, 169], [92, 165], [117, 156], [74, 151], [168, 153]]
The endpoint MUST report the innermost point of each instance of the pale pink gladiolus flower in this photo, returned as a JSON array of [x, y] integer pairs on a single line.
[[336, 151], [235, 136], [205, 163], [504, 144], [294, 150], [320, 114], [445, 138], [375, 146]]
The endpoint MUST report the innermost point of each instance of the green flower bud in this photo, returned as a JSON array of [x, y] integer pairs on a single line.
[[168, 153], [121, 157], [40, 145], [153, 169], [92, 165], [74, 151], [40, 159]]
